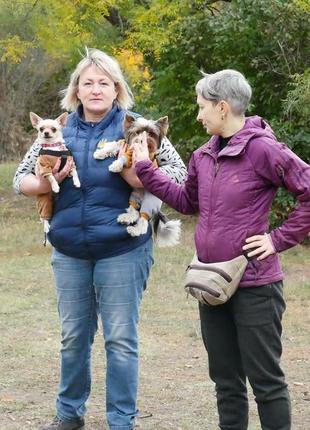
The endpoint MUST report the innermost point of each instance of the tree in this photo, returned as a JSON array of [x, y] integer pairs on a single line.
[[38, 42]]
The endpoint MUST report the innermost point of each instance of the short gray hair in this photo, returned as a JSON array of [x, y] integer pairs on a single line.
[[228, 85], [110, 67]]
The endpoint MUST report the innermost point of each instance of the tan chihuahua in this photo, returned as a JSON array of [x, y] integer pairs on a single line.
[[52, 147]]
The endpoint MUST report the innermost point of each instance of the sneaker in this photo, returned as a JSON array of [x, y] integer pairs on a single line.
[[59, 424]]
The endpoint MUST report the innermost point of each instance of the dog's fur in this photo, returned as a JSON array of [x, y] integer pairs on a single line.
[[52, 147], [140, 210]]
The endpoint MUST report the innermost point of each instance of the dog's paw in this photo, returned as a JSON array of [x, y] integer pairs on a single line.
[[130, 217], [101, 154], [76, 182], [138, 229], [55, 187], [116, 166]]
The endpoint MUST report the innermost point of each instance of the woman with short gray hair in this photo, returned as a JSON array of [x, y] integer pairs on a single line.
[[231, 184]]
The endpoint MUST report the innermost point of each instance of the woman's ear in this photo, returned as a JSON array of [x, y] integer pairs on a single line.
[[224, 107]]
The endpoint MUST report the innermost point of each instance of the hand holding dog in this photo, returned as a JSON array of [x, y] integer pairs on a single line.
[[59, 175], [263, 245], [141, 151], [129, 173]]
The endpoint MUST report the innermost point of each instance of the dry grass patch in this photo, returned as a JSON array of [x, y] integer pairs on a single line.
[[175, 388]]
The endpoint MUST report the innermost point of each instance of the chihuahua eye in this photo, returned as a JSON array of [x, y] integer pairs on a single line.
[[41, 129], [53, 129]]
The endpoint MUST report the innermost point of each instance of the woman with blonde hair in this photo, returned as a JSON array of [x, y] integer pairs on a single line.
[[100, 270], [232, 181]]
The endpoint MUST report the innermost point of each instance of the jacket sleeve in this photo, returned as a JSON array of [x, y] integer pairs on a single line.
[[183, 198], [27, 165], [170, 162], [277, 163]]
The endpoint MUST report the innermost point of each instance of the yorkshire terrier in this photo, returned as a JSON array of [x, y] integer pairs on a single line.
[[142, 205], [52, 147]]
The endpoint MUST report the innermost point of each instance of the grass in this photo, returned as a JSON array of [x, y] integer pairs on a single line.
[[174, 383]]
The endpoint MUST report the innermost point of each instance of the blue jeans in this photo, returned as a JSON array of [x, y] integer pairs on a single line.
[[112, 288]]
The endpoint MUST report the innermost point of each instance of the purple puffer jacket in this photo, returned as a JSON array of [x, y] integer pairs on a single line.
[[232, 191]]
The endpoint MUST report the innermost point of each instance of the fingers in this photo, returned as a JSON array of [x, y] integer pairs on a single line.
[[262, 244], [141, 151], [123, 148], [64, 172], [56, 166]]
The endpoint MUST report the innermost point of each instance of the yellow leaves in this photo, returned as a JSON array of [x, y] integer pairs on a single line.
[[13, 49], [93, 8], [132, 62], [58, 27], [59, 31], [303, 5], [155, 27]]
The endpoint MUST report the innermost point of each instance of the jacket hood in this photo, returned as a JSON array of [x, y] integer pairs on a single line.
[[254, 126]]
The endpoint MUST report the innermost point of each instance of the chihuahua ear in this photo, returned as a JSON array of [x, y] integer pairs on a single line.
[[35, 119], [128, 120], [62, 119], [163, 125]]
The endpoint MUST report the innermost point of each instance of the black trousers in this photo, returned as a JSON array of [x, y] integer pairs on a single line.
[[243, 341]]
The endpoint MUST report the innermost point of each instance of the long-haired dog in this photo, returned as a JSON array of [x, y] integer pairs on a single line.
[[142, 205], [52, 147]]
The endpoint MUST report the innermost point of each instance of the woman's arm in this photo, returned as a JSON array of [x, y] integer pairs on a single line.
[[279, 165], [169, 162], [130, 176], [27, 182], [26, 168], [31, 185], [183, 198]]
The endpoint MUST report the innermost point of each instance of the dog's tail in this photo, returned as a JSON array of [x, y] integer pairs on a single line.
[[167, 232]]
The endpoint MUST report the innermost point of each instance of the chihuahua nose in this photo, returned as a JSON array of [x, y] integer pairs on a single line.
[[46, 134]]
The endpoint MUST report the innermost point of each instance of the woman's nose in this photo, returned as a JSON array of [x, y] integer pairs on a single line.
[[96, 89]]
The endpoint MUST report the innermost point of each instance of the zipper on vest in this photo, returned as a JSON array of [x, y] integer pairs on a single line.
[[85, 169]]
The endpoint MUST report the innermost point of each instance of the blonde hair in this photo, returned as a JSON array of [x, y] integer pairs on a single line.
[[110, 67]]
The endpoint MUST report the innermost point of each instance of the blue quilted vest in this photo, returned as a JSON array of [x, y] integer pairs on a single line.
[[84, 223]]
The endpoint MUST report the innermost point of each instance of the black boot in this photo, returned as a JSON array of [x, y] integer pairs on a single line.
[[58, 424]]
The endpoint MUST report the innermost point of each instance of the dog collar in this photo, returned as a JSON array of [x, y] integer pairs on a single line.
[[51, 145]]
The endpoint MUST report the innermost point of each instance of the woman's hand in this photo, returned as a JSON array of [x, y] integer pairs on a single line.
[[129, 173], [263, 245], [32, 185], [64, 172], [58, 175], [141, 150]]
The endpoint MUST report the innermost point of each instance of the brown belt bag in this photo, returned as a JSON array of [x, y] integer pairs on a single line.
[[214, 283]]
